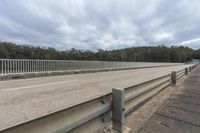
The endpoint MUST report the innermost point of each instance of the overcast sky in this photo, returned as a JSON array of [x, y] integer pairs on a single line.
[[100, 24]]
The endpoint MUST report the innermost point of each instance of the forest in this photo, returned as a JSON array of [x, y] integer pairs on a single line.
[[160, 53]]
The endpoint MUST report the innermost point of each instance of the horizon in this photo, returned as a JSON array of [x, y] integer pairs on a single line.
[[84, 25]]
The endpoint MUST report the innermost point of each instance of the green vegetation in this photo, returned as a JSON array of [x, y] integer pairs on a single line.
[[142, 54]]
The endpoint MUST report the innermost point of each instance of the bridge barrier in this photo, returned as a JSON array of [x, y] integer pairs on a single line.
[[91, 116], [18, 67], [133, 97], [180, 73], [97, 114]]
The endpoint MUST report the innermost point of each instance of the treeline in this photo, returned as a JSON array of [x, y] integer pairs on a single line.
[[141, 54]]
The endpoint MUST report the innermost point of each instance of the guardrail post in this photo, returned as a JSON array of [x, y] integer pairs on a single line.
[[173, 77], [190, 69], [186, 71], [118, 115]]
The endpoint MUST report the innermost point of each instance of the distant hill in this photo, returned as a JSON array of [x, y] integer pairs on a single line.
[[139, 54]]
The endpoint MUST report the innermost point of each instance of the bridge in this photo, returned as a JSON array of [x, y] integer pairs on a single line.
[[83, 102]]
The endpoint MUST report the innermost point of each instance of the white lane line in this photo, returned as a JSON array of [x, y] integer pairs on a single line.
[[32, 86]]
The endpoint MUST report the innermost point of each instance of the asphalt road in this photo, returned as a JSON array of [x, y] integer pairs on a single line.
[[26, 99]]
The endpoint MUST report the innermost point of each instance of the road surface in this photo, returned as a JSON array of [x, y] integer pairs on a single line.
[[27, 99]]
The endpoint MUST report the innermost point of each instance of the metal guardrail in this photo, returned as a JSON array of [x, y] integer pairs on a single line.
[[136, 94], [94, 115], [133, 97], [180, 73], [91, 116], [26, 66]]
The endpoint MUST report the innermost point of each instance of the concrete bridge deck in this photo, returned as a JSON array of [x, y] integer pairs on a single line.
[[28, 99], [180, 113]]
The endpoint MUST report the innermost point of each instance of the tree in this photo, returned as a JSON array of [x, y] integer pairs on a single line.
[[141, 54]]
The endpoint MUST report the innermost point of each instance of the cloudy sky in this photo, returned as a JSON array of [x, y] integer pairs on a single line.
[[100, 24]]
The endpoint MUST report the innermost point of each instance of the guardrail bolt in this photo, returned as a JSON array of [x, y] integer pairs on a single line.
[[103, 101], [173, 77], [118, 115], [186, 71]]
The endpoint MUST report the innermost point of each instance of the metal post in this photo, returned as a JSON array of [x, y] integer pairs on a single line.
[[190, 69], [31, 66], [16, 63], [118, 115], [13, 66], [25, 66], [42, 65], [1, 67], [8, 66], [186, 71], [173, 77], [21, 68], [34, 66], [5, 66]]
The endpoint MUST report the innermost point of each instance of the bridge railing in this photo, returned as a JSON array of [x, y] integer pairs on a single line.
[[24, 66], [96, 114], [133, 97]]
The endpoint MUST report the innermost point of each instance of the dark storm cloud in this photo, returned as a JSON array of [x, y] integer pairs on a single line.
[[105, 24]]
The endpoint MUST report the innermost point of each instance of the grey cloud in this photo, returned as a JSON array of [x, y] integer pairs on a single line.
[[105, 24]]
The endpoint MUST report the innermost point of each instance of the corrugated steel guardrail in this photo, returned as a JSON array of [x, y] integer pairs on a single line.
[[136, 94], [94, 115], [180, 73]]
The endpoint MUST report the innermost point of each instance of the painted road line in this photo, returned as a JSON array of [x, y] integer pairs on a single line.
[[32, 86]]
